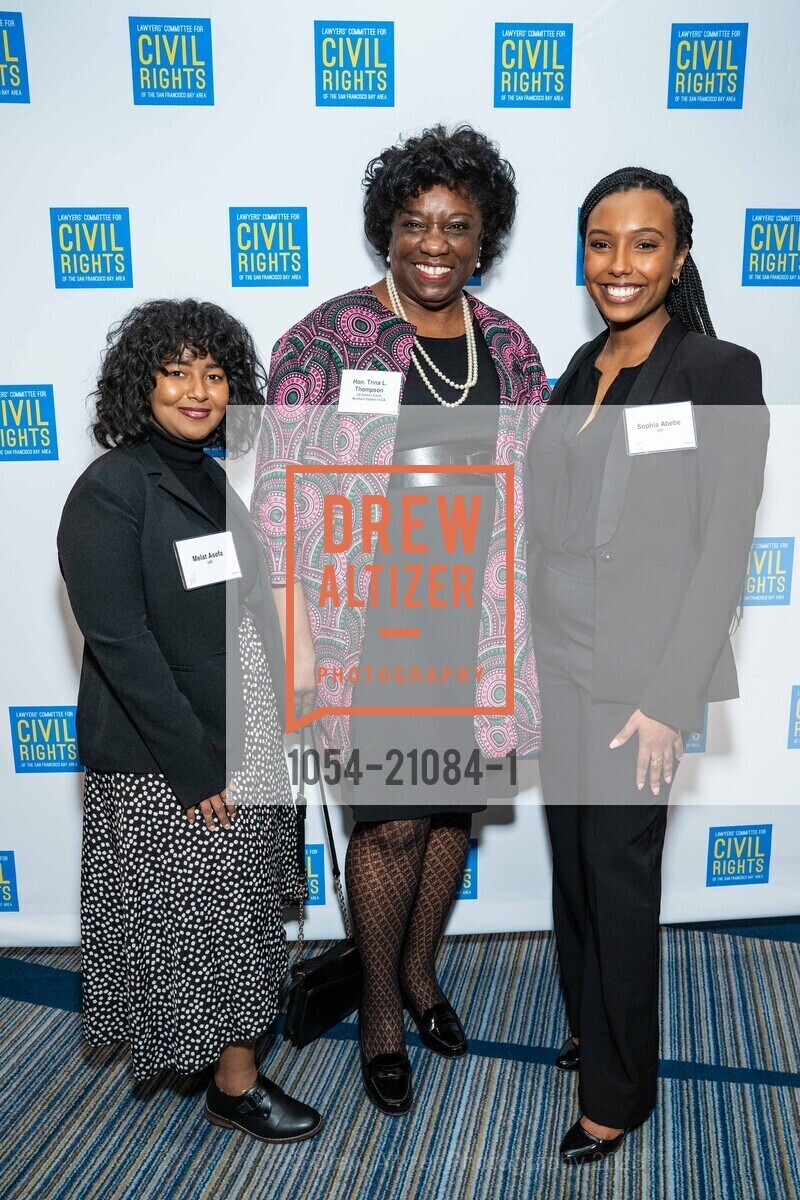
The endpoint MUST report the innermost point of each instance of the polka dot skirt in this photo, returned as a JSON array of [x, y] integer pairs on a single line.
[[183, 945]]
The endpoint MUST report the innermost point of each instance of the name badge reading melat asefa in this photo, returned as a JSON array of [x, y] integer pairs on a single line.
[[207, 559], [653, 428], [370, 392]]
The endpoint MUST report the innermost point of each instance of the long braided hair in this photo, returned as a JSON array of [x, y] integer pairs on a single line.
[[687, 300]]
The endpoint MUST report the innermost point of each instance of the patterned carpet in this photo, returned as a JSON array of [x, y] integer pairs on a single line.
[[73, 1125]]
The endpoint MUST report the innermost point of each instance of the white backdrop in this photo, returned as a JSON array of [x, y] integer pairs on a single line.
[[264, 144]]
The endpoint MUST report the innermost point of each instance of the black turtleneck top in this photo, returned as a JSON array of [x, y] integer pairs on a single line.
[[185, 460]]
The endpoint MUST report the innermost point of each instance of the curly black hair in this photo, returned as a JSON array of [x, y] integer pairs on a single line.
[[465, 161], [158, 332], [686, 299]]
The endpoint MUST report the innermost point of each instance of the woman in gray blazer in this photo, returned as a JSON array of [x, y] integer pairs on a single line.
[[188, 830], [645, 474]]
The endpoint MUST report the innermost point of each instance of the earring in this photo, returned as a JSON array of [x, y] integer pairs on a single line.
[[676, 280], [388, 258], [478, 265]]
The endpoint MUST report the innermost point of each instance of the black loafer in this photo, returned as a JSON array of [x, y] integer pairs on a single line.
[[439, 1029], [580, 1146], [569, 1057], [387, 1081], [264, 1111]]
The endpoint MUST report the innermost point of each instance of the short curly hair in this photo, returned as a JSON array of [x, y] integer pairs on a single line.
[[160, 331], [465, 161]]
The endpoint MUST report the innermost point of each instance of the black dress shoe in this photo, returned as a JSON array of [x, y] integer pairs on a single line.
[[439, 1028], [387, 1081], [580, 1146], [569, 1056], [264, 1111]]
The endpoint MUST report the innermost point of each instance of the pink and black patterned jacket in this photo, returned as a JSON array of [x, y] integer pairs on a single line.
[[302, 425]]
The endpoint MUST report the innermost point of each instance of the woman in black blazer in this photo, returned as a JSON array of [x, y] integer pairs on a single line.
[[188, 836], [642, 522]]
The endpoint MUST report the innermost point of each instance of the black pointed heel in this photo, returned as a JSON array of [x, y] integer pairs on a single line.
[[569, 1057], [579, 1146]]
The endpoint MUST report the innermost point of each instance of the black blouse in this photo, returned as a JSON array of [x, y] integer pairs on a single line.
[[474, 421], [567, 462]]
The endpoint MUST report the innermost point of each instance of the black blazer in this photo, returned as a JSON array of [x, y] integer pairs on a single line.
[[155, 696], [673, 529]]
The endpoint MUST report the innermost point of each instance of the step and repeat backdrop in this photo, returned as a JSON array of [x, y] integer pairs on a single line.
[[217, 150]]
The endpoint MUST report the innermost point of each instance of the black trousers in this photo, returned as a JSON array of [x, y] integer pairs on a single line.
[[607, 843]]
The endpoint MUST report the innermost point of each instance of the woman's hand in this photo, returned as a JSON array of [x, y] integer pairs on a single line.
[[660, 747], [219, 807]]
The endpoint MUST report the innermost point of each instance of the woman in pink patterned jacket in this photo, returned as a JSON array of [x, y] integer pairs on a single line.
[[412, 374]]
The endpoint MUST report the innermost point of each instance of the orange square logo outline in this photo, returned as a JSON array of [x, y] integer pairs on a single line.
[[294, 723]]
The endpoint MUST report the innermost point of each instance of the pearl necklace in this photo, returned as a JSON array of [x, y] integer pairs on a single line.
[[472, 352]]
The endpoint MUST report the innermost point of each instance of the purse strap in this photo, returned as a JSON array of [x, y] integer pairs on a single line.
[[301, 806]]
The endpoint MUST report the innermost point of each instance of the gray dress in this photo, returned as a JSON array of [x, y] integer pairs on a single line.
[[448, 637]]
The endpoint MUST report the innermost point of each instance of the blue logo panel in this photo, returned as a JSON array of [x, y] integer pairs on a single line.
[[269, 247], [771, 247], [91, 247], [738, 854], [315, 873], [579, 276], [706, 66], [9, 896], [27, 421], [171, 60], [696, 742], [354, 64], [14, 87], [794, 720], [44, 740], [469, 882], [532, 66], [769, 572]]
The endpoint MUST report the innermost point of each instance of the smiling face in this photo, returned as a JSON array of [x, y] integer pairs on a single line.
[[190, 396], [434, 246], [630, 255]]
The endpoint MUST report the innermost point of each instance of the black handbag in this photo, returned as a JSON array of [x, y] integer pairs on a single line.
[[325, 988]]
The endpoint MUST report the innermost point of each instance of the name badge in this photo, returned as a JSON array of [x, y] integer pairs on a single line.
[[207, 559], [652, 428], [370, 392]]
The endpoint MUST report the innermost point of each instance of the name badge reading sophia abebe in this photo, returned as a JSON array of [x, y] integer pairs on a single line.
[[207, 559], [653, 428]]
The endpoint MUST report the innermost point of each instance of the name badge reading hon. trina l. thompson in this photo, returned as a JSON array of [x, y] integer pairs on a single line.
[[370, 392]]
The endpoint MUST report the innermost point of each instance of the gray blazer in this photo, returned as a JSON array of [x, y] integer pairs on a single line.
[[673, 529]]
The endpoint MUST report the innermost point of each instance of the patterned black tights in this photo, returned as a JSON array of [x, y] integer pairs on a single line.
[[442, 872], [401, 878]]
